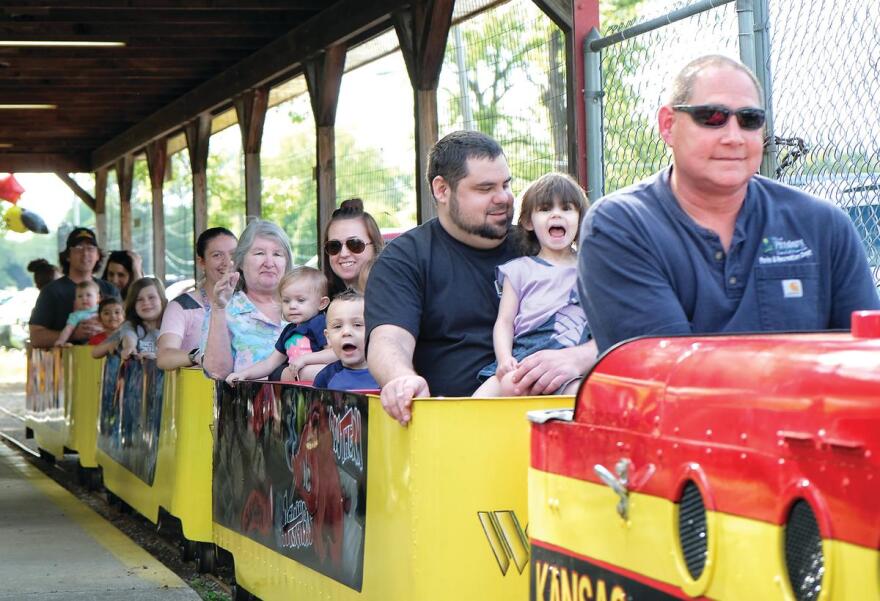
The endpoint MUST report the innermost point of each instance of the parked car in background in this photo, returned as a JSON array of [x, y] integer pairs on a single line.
[[15, 312], [859, 195]]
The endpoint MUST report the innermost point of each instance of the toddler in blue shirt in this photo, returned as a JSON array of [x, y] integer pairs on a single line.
[[303, 295], [345, 333]]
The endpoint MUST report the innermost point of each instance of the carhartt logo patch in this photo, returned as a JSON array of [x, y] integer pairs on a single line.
[[792, 289]]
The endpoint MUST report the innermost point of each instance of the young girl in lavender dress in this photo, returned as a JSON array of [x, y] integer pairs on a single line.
[[539, 306]]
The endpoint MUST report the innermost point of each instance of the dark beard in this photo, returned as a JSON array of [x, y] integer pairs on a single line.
[[482, 230]]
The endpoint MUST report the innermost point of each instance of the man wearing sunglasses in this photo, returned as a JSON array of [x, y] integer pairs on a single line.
[[709, 246]]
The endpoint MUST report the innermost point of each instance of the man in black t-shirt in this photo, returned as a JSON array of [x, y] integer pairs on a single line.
[[80, 260], [431, 301]]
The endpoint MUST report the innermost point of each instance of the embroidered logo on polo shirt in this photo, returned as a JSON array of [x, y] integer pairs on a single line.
[[775, 249], [792, 289]]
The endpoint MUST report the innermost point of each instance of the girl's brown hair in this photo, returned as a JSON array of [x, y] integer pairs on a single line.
[[353, 208], [134, 289], [542, 194]]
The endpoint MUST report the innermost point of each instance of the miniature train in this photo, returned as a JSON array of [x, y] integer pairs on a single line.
[[728, 467]]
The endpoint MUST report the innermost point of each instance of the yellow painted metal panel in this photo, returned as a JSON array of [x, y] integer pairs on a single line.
[[190, 401], [745, 556], [49, 424], [83, 376], [426, 486]]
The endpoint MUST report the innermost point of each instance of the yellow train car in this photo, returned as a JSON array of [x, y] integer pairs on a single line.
[[320, 495], [154, 446], [62, 405]]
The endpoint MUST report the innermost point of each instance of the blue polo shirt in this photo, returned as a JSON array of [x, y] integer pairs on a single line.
[[647, 268], [338, 377]]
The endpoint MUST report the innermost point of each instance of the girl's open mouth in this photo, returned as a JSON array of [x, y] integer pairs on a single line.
[[557, 231]]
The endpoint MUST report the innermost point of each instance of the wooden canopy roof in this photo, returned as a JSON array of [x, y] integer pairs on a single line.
[[180, 58]]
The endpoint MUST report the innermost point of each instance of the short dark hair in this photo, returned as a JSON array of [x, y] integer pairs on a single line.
[[109, 300], [208, 235], [448, 157]]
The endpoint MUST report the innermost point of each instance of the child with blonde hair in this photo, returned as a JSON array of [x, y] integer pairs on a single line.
[[303, 294], [85, 306]]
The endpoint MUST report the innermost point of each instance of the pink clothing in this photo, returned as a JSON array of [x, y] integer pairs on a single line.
[[302, 346], [184, 316]]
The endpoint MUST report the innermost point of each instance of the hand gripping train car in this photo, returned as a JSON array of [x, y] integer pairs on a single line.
[[734, 467]]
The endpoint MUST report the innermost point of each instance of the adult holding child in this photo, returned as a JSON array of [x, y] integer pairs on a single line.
[[181, 330], [431, 303], [80, 260], [244, 320]]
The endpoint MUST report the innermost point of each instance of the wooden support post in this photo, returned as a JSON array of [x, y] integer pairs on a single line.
[[198, 136], [575, 19], [324, 79], [101, 206], [157, 160], [124, 176], [77, 189], [422, 30], [251, 110]]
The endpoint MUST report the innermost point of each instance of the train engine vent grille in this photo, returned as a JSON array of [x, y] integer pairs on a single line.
[[804, 557], [693, 532]]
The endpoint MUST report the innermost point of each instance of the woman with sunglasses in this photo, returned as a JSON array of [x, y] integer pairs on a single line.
[[351, 240]]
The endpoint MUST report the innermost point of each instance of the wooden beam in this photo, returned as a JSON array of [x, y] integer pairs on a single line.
[[124, 180], [427, 132], [17, 5], [198, 136], [157, 161], [422, 30], [77, 189], [250, 108], [340, 22], [43, 162], [101, 207], [560, 11], [100, 31], [324, 80]]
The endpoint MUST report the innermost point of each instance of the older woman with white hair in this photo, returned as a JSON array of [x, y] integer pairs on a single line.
[[245, 317]]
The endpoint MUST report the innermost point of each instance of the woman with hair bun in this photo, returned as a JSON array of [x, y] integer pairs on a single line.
[[351, 240], [44, 272]]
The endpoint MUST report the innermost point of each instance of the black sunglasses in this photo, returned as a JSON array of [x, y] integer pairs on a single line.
[[355, 245], [715, 115]]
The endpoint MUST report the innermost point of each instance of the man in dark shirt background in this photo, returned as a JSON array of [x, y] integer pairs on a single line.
[[80, 260]]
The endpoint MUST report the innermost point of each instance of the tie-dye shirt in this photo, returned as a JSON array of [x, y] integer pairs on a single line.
[[252, 335]]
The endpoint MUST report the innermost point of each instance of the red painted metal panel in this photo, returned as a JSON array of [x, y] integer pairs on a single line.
[[766, 419]]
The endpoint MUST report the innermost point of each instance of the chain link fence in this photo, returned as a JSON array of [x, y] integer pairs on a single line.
[[824, 87], [818, 63], [287, 168], [504, 74]]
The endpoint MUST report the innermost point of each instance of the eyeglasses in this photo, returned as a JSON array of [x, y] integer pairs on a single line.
[[715, 115], [84, 247], [355, 245]]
